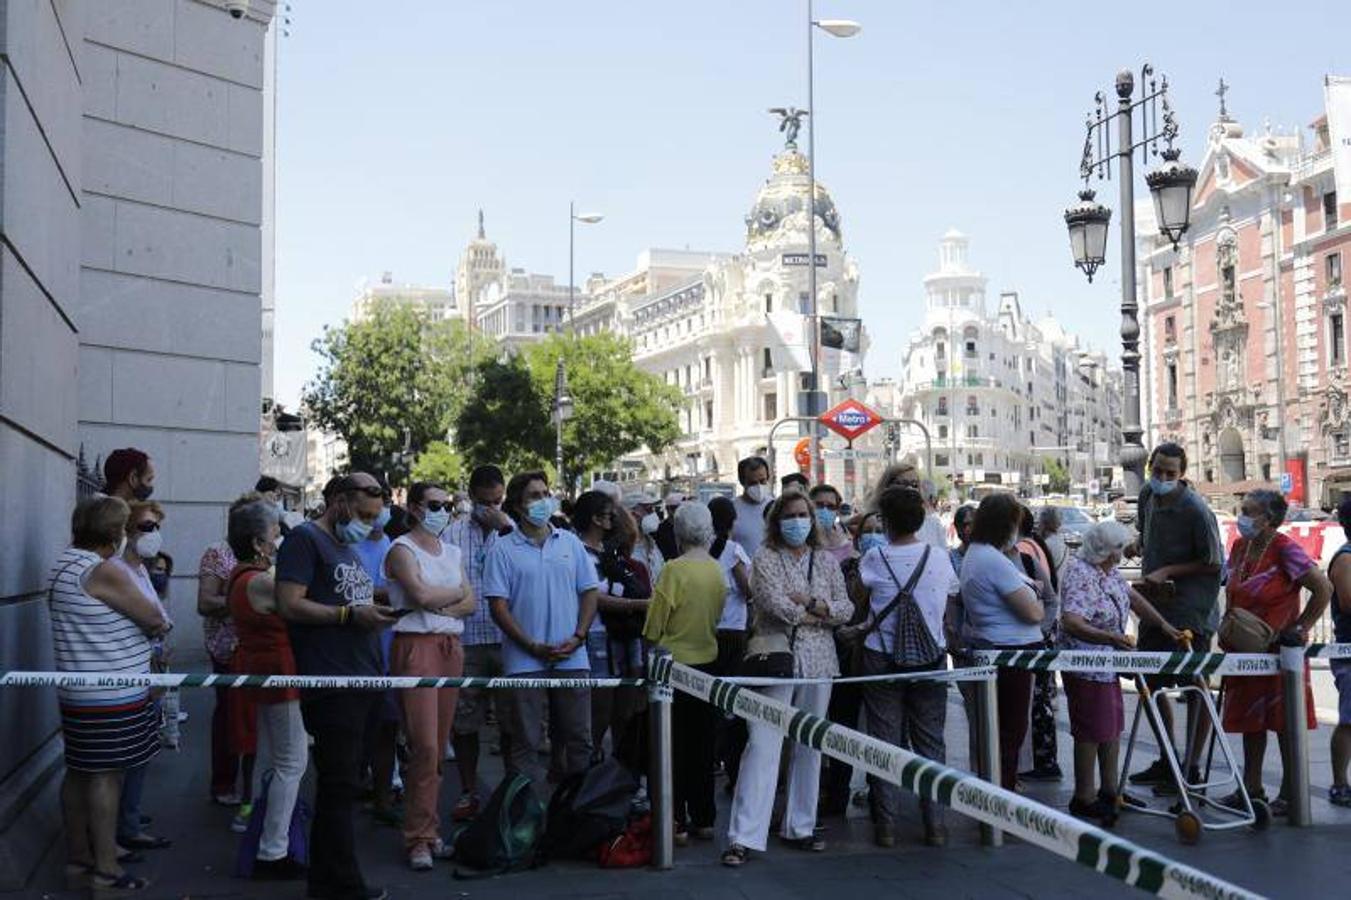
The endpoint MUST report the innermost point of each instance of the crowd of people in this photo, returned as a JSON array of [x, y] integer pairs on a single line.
[[505, 580]]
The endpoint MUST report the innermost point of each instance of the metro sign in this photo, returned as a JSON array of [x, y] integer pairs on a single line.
[[850, 419]]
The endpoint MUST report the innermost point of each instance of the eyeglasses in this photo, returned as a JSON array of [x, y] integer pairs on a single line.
[[147, 527]]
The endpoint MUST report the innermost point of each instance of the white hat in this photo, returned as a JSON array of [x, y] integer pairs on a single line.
[[675, 498], [608, 488], [644, 497]]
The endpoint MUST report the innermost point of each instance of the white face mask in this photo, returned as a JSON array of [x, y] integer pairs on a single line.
[[650, 523], [756, 493], [148, 545]]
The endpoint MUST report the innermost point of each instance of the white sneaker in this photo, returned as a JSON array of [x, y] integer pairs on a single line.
[[240, 823], [420, 858]]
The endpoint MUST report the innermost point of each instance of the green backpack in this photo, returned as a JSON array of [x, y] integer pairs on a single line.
[[506, 835]]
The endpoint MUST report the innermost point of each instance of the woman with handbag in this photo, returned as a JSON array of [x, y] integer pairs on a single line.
[[1267, 571], [908, 585], [797, 597]]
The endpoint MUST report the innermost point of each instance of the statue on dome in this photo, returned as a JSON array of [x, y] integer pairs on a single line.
[[790, 123]]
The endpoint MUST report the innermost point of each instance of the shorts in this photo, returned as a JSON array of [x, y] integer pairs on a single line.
[[1341, 675], [471, 711], [614, 659], [1152, 640]]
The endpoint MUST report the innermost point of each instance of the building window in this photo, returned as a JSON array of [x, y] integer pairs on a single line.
[[1031, 439], [804, 305], [973, 431], [940, 459], [1266, 471], [940, 351], [970, 349], [942, 432], [766, 363], [1172, 385], [1329, 210], [769, 303], [771, 407], [1170, 330], [1339, 444], [942, 406], [708, 413], [980, 459], [1337, 339], [972, 406], [1168, 283], [1332, 266], [708, 368]]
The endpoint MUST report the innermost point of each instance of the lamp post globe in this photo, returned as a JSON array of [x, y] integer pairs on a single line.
[[1172, 184], [1087, 223]]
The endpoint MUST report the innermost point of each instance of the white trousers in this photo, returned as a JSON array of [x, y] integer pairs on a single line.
[[753, 803], [284, 749]]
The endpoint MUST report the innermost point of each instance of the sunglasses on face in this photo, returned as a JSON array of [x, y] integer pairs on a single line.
[[147, 527], [438, 505], [370, 491]]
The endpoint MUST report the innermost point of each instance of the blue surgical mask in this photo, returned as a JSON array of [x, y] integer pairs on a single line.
[[538, 512], [795, 531], [826, 518], [383, 519], [1162, 488], [1247, 527], [436, 522], [354, 531], [870, 539]]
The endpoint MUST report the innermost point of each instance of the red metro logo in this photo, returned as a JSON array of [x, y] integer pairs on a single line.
[[850, 419]]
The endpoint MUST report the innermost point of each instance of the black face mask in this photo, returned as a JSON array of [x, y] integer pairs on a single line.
[[160, 580], [142, 492]]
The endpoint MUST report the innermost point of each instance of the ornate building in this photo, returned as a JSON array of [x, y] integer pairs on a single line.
[[1246, 321]]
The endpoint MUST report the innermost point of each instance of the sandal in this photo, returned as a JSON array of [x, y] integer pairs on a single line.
[[1339, 795], [146, 842], [104, 885], [735, 856]]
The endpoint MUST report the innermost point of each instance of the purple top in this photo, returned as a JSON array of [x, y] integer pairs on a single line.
[[1102, 599]]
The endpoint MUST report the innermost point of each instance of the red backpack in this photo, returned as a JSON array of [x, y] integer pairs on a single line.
[[630, 850]]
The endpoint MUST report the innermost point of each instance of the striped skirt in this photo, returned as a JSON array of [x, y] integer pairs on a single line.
[[108, 739]]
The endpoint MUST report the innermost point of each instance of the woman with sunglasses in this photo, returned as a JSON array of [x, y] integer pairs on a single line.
[[431, 595], [143, 543]]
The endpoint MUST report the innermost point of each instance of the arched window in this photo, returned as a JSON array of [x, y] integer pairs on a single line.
[[970, 335]]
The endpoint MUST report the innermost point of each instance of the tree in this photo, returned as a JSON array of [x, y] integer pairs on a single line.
[[617, 407], [439, 463], [393, 383], [1058, 474]]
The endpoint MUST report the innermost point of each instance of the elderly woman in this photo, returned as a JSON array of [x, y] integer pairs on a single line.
[[101, 622], [999, 600], [1095, 601], [798, 596], [264, 646], [683, 619], [905, 713], [1267, 571]]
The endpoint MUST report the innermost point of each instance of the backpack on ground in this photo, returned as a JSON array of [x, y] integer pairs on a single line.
[[505, 836], [630, 850], [589, 809]]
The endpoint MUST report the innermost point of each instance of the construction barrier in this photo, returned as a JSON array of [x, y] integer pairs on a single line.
[[1048, 828]]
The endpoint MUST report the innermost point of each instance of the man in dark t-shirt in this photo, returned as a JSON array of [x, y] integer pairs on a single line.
[[327, 598]]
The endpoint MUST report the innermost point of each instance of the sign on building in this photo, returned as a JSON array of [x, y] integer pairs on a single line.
[[800, 259], [850, 419]]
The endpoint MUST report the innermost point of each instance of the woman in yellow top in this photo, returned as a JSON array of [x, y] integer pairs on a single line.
[[683, 619]]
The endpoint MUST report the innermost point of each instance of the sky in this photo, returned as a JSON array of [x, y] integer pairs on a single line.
[[398, 121]]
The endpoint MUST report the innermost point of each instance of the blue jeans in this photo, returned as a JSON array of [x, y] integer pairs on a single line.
[[129, 804]]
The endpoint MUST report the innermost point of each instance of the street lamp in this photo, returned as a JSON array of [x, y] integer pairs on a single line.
[[840, 28], [573, 219], [1171, 185], [562, 412]]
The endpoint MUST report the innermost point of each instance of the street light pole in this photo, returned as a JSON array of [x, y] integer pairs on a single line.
[[1132, 451], [562, 411], [573, 219]]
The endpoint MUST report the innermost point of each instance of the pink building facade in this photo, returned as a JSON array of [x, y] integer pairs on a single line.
[[1245, 323]]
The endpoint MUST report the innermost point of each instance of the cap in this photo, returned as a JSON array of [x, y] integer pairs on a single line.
[[644, 497], [608, 488], [675, 499]]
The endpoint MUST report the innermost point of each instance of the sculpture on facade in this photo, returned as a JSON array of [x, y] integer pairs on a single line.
[[790, 123]]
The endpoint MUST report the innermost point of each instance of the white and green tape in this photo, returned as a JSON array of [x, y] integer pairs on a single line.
[[323, 682], [1048, 828], [1134, 663]]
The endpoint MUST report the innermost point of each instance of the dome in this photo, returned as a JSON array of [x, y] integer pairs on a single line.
[[777, 216]]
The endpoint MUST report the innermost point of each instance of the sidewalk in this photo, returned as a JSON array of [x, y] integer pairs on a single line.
[[1282, 862]]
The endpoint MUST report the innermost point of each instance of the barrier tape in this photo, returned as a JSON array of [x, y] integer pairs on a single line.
[[344, 682], [1048, 828], [1139, 663], [1328, 651], [978, 673]]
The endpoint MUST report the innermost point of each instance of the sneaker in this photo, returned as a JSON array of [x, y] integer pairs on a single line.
[[1051, 773], [284, 869], [442, 850], [884, 836], [240, 823], [182, 716], [420, 858], [231, 799], [1157, 773], [465, 808], [704, 833], [1340, 795]]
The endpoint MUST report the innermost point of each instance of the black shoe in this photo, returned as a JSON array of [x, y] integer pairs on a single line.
[[284, 869], [1102, 810], [1157, 773], [1169, 789], [1049, 773], [1127, 800]]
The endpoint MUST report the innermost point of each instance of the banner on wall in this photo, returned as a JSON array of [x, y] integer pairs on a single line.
[[1337, 90]]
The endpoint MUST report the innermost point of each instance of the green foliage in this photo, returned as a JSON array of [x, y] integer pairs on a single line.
[[392, 384], [439, 463], [1058, 473], [617, 407]]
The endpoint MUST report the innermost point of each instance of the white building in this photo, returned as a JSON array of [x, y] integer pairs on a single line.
[[439, 303], [999, 392], [133, 276]]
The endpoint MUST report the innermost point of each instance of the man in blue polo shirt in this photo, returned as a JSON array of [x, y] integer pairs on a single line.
[[541, 587]]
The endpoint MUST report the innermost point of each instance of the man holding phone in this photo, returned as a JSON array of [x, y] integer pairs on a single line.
[[541, 587]]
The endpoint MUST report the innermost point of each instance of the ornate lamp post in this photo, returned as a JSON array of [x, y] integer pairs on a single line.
[[562, 412], [1171, 185]]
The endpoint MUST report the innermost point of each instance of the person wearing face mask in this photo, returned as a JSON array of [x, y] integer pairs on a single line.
[[254, 533], [1002, 612], [1179, 543], [542, 588], [161, 570], [481, 641], [328, 601], [101, 622], [1096, 602], [749, 530], [834, 539], [428, 587], [645, 550], [1268, 572], [954, 625], [730, 732], [798, 596], [128, 474], [144, 540], [664, 536]]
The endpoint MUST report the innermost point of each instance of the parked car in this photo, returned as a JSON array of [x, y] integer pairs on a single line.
[[1074, 521]]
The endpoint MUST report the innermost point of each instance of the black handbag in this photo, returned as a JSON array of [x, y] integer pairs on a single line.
[[773, 663]]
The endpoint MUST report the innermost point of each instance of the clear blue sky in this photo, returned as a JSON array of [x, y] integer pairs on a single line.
[[399, 120]]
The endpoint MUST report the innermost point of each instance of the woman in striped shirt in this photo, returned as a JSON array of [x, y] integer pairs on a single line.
[[101, 622]]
